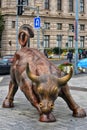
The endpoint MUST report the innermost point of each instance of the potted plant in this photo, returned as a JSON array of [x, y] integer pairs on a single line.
[[65, 67]]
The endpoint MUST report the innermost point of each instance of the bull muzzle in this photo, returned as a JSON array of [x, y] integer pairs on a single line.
[[46, 106]]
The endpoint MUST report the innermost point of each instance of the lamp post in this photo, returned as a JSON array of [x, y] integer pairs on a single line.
[[76, 38]]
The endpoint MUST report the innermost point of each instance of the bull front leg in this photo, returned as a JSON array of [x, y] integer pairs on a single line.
[[77, 110], [8, 102], [27, 89]]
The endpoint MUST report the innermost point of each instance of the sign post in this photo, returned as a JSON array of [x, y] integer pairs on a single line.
[[37, 22]]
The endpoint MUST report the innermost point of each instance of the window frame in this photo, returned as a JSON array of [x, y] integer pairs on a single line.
[[46, 41], [59, 5], [59, 41], [70, 41], [46, 4], [46, 25], [81, 6], [59, 26], [13, 24], [82, 27], [71, 5], [82, 41]]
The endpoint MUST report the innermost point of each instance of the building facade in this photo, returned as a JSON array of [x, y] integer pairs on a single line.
[[57, 23]]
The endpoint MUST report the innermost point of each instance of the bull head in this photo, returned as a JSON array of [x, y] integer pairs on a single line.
[[47, 88]]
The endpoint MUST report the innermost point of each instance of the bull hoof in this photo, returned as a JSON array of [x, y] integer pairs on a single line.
[[7, 104], [47, 118], [79, 112]]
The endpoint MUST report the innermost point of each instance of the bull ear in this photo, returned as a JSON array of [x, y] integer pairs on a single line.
[[65, 79], [31, 75]]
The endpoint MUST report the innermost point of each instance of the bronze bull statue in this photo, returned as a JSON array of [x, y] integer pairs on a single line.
[[40, 81]]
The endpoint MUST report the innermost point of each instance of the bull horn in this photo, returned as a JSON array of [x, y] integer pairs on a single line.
[[65, 79], [32, 76]]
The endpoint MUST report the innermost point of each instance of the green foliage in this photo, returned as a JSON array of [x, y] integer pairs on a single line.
[[49, 51], [57, 50]]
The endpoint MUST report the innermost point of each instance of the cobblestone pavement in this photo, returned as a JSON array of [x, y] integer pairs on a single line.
[[25, 117]]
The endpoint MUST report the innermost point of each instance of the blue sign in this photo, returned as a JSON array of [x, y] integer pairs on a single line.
[[37, 22]]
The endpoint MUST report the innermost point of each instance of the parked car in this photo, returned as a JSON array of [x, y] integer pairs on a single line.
[[4, 66], [8, 57]]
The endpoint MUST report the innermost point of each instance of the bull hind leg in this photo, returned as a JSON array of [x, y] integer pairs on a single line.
[[8, 102], [77, 110]]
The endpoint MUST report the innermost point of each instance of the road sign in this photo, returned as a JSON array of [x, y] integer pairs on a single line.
[[37, 22]]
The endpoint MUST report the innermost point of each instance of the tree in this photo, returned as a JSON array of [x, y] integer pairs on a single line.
[[1, 27]]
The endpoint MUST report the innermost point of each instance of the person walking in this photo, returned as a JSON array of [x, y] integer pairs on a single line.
[[45, 53], [70, 56]]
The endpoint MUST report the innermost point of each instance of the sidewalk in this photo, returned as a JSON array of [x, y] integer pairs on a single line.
[[25, 117]]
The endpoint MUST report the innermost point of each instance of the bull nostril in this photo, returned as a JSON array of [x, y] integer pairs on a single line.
[[41, 104], [52, 106]]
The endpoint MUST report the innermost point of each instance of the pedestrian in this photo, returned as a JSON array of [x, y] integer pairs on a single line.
[[84, 53], [70, 56], [80, 54], [45, 53]]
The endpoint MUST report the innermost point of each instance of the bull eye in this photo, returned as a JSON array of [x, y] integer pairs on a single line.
[[41, 104], [52, 106]]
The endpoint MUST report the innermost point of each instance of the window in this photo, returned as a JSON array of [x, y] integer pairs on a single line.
[[70, 5], [81, 5], [71, 27], [46, 40], [47, 25], [25, 2], [13, 24], [59, 26], [59, 41], [82, 27], [82, 39], [46, 4], [70, 41], [59, 4]]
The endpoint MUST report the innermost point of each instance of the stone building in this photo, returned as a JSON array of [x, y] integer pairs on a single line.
[[57, 23]]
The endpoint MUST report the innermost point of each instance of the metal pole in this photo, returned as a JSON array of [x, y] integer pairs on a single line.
[[16, 28], [68, 41], [76, 38], [59, 49], [38, 31]]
